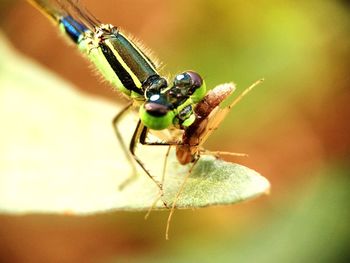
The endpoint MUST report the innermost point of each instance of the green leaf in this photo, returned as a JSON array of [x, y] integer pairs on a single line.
[[59, 153]]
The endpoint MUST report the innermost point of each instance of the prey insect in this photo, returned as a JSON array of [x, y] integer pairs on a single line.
[[209, 115], [161, 105]]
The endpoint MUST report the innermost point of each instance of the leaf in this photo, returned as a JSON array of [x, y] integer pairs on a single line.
[[59, 153], [214, 182]]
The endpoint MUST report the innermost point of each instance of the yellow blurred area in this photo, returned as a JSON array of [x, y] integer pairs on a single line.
[[295, 128]]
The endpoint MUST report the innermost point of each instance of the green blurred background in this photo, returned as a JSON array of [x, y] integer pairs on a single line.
[[295, 128]]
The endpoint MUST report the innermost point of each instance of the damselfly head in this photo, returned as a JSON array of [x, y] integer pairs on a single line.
[[166, 106]]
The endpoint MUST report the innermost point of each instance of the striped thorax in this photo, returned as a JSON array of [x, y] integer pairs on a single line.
[[127, 67]]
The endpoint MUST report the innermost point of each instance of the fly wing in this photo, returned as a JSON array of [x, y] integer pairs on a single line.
[[208, 118], [219, 114], [215, 118]]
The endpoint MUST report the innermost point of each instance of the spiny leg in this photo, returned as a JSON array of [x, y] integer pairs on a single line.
[[136, 138], [178, 196], [143, 141], [116, 121]]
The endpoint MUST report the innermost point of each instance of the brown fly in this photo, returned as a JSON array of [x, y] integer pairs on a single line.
[[209, 116]]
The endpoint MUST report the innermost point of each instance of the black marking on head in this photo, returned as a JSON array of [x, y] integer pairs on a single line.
[[156, 109], [178, 95], [185, 113]]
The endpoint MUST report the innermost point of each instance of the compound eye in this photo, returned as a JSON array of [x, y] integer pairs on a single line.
[[154, 85], [196, 79], [182, 80], [189, 79]]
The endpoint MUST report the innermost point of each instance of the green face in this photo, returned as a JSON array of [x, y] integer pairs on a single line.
[[155, 114]]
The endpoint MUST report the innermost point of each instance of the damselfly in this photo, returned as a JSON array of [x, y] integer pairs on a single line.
[[183, 107], [128, 68]]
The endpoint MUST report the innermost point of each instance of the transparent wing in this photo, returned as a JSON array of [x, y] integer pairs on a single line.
[[56, 9], [209, 116], [218, 115]]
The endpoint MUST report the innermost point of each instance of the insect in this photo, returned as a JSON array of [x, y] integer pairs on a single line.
[[182, 107], [131, 71]]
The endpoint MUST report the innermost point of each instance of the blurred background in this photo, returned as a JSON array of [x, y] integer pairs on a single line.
[[295, 128]]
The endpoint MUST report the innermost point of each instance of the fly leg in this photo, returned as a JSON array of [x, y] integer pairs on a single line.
[[177, 196], [217, 154]]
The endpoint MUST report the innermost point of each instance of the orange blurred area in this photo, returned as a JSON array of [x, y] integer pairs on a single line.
[[294, 127]]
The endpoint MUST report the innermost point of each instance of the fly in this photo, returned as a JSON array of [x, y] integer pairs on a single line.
[[209, 116]]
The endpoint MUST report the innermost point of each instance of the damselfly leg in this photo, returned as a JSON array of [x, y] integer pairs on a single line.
[[117, 119], [139, 136], [136, 139]]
